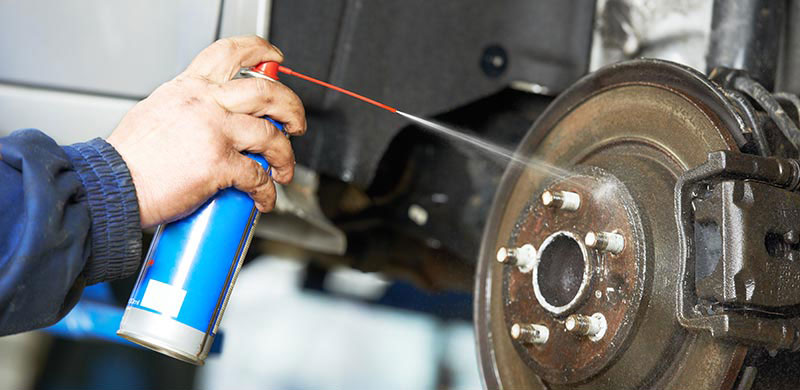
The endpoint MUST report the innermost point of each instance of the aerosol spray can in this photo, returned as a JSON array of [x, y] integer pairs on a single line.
[[189, 272]]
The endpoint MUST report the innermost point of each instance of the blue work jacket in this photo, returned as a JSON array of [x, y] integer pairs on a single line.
[[69, 218]]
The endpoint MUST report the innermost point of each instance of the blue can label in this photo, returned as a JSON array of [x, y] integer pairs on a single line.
[[191, 265]]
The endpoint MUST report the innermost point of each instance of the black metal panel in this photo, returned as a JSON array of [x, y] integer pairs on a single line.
[[421, 56], [453, 183]]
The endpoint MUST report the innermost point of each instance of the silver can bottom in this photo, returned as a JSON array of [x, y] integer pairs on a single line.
[[165, 335]]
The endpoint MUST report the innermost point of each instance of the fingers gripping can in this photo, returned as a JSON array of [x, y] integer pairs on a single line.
[[188, 275]]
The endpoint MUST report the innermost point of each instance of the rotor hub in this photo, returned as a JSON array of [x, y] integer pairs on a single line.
[[588, 301], [570, 280]]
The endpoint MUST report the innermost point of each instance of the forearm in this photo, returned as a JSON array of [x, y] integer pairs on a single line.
[[69, 218]]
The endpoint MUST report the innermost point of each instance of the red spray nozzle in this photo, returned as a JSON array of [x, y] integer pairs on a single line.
[[271, 69]]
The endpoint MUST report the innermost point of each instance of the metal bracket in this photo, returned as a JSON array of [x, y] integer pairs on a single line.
[[707, 195]]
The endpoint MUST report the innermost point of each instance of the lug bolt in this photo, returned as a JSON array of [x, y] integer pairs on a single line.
[[564, 200], [522, 257], [530, 333], [605, 241], [594, 326]]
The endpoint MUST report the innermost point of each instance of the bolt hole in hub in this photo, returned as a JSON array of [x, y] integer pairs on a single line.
[[561, 272]]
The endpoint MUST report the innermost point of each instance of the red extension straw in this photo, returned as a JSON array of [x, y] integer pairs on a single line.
[[271, 70]]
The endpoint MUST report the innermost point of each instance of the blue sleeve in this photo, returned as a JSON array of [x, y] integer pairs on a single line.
[[69, 217]]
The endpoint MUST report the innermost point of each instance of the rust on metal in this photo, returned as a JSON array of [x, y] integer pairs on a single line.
[[614, 285], [643, 123]]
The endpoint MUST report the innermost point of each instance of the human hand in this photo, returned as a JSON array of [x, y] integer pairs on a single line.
[[182, 143]]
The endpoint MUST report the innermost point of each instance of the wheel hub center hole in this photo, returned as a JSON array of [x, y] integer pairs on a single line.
[[561, 270]]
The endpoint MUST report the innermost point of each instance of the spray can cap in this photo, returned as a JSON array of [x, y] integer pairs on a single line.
[[269, 69]]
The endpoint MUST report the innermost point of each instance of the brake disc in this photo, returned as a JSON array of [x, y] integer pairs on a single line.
[[603, 315]]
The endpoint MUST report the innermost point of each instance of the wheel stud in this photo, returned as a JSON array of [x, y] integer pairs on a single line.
[[605, 241], [564, 200], [522, 257], [530, 333], [594, 326]]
